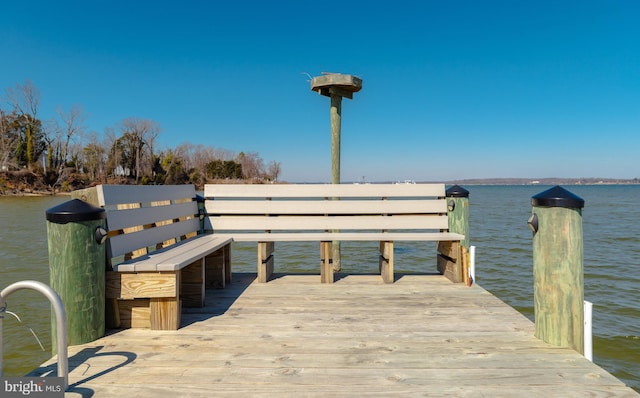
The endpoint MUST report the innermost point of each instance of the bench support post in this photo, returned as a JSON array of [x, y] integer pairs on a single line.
[[193, 287], [218, 268], [265, 261], [112, 313], [326, 263], [165, 313], [450, 260], [226, 254], [386, 261]]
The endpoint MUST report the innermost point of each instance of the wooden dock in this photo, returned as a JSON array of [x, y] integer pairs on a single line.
[[359, 337]]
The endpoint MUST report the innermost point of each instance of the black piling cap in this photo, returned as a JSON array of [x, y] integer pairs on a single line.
[[557, 197], [74, 210], [457, 191]]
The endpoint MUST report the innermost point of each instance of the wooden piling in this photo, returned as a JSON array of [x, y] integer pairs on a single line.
[[451, 254], [77, 268], [458, 209], [558, 274]]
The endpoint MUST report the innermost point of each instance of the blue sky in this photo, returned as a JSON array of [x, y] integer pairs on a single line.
[[451, 89]]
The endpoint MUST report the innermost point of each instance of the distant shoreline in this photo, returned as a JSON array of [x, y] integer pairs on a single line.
[[515, 181], [33, 194], [546, 181]]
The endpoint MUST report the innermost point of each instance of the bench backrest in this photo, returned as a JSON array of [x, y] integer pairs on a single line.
[[142, 218], [310, 208]]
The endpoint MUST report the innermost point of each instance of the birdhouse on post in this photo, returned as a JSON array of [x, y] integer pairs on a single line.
[[336, 86]]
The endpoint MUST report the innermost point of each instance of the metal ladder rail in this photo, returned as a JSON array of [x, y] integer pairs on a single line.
[[61, 322]]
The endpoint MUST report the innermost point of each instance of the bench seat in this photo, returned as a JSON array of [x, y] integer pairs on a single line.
[[177, 256], [347, 236]]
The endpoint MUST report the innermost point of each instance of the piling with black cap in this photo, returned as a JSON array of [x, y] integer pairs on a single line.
[[558, 271], [453, 259], [75, 234], [458, 209]]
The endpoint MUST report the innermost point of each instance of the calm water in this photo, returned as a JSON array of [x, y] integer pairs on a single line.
[[504, 266]]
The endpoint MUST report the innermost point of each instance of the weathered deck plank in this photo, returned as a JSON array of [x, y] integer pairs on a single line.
[[291, 337]]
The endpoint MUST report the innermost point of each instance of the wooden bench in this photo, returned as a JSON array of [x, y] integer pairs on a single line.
[[325, 213], [157, 260]]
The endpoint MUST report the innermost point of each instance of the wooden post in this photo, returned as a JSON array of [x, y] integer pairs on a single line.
[[449, 261], [326, 268], [386, 261], [458, 212], [451, 255], [336, 86], [558, 275], [112, 307], [265, 261], [77, 267], [336, 127]]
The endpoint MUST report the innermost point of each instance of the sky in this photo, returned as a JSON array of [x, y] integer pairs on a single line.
[[451, 89]]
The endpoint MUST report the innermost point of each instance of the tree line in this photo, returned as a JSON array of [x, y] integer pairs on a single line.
[[62, 154]]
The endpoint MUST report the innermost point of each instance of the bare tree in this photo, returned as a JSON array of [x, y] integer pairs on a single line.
[[203, 155], [113, 154], [25, 100], [196, 157], [252, 165], [186, 152], [223, 154], [8, 141], [139, 137], [94, 158], [274, 170], [72, 125]]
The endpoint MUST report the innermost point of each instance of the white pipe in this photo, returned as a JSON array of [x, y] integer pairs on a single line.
[[472, 263], [588, 330], [61, 322]]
